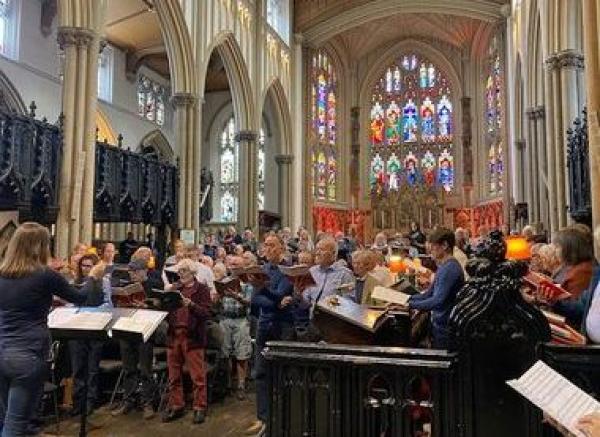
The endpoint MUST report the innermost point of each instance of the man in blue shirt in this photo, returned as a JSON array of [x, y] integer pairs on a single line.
[[441, 295], [274, 323]]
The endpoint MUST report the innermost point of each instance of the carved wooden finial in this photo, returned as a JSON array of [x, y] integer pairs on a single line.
[[120, 141], [32, 108]]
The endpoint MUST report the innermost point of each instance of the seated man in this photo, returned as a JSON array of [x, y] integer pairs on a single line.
[[364, 263], [441, 295]]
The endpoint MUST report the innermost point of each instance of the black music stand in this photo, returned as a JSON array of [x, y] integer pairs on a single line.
[[104, 334]]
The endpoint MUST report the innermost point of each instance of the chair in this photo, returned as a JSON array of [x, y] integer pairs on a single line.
[[113, 366], [51, 387]]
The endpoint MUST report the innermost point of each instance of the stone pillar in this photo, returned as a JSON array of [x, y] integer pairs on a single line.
[[74, 224], [522, 172], [533, 179], [188, 133], [592, 75], [285, 187], [551, 110], [248, 182], [541, 166]]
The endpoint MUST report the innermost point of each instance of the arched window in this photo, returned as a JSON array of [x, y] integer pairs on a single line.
[[494, 113], [324, 126], [151, 100], [412, 127], [228, 173], [8, 27], [261, 170]]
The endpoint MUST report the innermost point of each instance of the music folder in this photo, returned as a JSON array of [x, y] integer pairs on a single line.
[[299, 275], [358, 315], [228, 285], [254, 275], [137, 325]]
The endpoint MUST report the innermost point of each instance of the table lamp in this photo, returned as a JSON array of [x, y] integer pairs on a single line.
[[517, 248]]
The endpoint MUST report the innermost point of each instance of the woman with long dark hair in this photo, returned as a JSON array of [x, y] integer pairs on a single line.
[[26, 289]]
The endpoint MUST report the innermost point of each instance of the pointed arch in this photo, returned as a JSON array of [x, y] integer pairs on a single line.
[[276, 93], [155, 142], [238, 76], [10, 99]]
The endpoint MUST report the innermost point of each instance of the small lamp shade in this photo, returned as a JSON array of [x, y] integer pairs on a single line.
[[517, 248], [396, 264]]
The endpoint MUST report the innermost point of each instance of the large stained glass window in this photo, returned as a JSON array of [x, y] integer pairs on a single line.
[[151, 100], [229, 173], [261, 170], [411, 130], [494, 114], [324, 125]]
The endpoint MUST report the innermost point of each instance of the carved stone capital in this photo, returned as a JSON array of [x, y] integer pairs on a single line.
[[284, 159], [570, 59], [103, 44], [74, 36], [184, 99], [506, 10], [246, 135], [551, 62]]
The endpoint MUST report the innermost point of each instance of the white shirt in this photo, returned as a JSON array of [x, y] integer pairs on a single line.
[[592, 321]]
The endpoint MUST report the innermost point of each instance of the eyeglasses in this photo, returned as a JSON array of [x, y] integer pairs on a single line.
[[89, 266]]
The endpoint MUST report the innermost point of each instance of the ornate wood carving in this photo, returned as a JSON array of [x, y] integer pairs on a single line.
[[496, 333], [580, 203]]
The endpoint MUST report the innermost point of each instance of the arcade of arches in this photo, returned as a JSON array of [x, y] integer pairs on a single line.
[[335, 114]]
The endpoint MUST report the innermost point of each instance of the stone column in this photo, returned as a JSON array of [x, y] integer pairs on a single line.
[[522, 162], [533, 180], [592, 75], [541, 167], [285, 187], [552, 107], [187, 130], [248, 182], [80, 84]]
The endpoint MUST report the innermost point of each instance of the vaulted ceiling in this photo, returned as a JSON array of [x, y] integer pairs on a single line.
[[362, 39]]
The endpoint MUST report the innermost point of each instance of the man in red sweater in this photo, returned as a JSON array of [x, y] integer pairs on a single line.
[[186, 343]]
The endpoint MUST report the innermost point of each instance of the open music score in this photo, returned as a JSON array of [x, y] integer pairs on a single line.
[[129, 295], [536, 280], [390, 295], [561, 332], [139, 325], [555, 395], [299, 275], [228, 285], [80, 319], [254, 275]]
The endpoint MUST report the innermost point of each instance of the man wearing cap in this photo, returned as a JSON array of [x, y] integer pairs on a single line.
[[135, 354], [186, 343]]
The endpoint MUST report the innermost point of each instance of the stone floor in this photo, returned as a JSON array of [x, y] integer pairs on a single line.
[[228, 419]]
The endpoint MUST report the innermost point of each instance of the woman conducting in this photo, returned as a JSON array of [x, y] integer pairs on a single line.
[[26, 289]]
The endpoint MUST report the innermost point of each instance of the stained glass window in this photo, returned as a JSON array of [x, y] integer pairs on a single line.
[[229, 173], [324, 125], [494, 113], [411, 131], [151, 100], [261, 170]]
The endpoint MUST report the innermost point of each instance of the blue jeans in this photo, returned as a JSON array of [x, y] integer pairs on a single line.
[[271, 331], [22, 374]]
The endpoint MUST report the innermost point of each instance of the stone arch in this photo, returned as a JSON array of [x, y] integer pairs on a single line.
[[238, 76], [276, 93], [10, 99], [156, 143]]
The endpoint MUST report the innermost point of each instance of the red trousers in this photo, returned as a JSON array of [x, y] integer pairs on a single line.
[[177, 355]]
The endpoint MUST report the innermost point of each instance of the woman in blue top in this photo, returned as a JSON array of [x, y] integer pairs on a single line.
[[26, 289]]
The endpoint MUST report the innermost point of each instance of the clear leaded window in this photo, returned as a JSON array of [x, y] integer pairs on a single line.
[[105, 74], [7, 26], [278, 17], [151, 100], [229, 173]]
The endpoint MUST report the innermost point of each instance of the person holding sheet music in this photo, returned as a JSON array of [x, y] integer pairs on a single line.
[[186, 342], [137, 357], [26, 289], [275, 322], [441, 295]]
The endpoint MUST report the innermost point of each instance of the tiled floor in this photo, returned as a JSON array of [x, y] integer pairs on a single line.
[[229, 419]]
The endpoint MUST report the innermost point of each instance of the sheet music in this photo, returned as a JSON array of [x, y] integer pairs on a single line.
[[85, 319], [390, 295], [558, 397], [143, 322]]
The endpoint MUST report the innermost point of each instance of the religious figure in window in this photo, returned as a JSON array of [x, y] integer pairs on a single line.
[[428, 165], [411, 169], [332, 175], [445, 119], [427, 121], [321, 176], [446, 171], [331, 117], [377, 124], [392, 131], [377, 175], [423, 76], [388, 81], [397, 81], [409, 122], [394, 173]]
